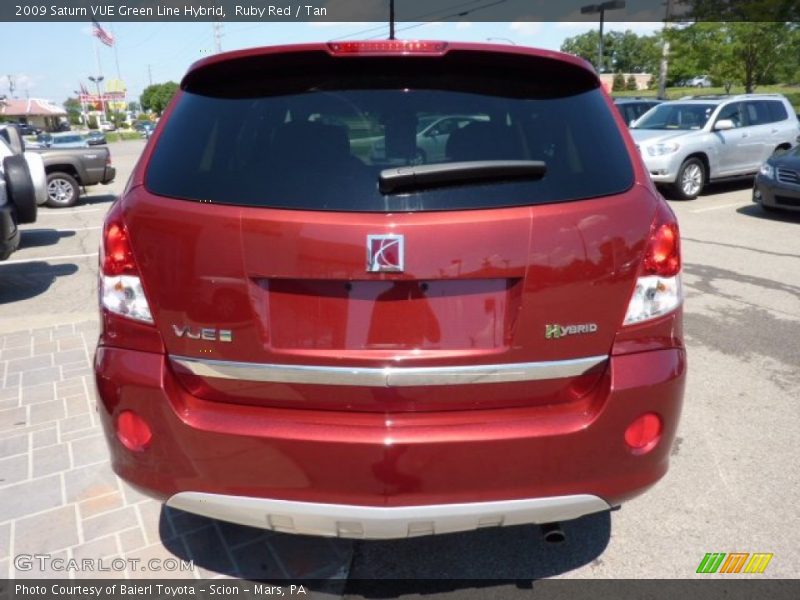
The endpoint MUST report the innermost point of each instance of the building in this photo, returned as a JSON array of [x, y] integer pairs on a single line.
[[34, 111]]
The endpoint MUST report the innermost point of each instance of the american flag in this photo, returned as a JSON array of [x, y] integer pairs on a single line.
[[101, 34]]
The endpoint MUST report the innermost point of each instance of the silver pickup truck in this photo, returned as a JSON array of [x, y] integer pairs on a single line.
[[70, 169]]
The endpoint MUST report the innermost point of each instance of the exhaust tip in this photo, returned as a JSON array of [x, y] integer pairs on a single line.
[[552, 533]]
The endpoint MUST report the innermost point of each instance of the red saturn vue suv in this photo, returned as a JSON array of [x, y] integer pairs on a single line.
[[387, 289]]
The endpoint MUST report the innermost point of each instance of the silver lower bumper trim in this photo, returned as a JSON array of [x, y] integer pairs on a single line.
[[389, 376], [376, 522]]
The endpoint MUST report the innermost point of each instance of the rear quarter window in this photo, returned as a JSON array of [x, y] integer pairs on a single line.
[[777, 111], [317, 138]]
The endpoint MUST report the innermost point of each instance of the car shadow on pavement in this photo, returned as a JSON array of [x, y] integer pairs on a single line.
[[711, 189], [731, 185], [754, 210], [27, 280], [386, 569], [97, 199], [34, 238]]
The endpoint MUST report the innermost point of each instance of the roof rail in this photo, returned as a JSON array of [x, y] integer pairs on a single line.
[[730, 96]]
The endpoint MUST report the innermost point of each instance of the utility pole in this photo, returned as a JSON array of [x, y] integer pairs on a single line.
[[150, 73], [391, 19], [217, 26], [96, 81], [591, 9], [81, 96], [664, 64], [11, 86]]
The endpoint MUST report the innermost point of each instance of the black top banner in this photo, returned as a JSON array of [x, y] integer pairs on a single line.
[[404, 10]]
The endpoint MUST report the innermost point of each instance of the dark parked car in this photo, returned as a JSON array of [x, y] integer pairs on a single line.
[[777, 185], [300, 338], [43, 140], [147, 129], [633, 108], [27, 129], [96, 138]]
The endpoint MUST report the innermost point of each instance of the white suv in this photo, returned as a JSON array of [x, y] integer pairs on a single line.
[[686, 143]]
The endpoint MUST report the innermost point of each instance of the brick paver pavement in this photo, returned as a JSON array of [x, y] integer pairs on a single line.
[[59, 497]]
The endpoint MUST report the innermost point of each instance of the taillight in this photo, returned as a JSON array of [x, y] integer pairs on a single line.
[[663, 255], [121, 289], [658, 288], [388, 47]]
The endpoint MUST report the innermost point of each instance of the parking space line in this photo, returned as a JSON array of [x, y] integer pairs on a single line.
[[701, 210], [46, 258]]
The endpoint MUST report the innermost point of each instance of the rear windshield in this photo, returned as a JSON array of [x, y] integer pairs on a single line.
[[677, 116], [318, 137]]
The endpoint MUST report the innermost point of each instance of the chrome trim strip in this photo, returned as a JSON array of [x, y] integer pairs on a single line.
[[381, 522], [389, 376]]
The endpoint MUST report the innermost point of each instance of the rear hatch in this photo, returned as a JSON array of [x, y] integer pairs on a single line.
[[281, 272]]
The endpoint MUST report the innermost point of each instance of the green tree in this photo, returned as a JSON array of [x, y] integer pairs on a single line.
[[788, 70], [156, 97], [622, 50], [747, 53], [92, 124], [631, 53], [584, 45], [761, 11], [133, 106], [758, 48], [73, 108], [118, 119], [618, 84], [630, 83]]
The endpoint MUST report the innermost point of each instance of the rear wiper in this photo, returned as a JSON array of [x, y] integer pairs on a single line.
[[404, 179]]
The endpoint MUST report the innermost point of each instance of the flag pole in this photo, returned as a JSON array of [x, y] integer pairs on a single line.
[[97, 56], [100, 76], [116, 54]]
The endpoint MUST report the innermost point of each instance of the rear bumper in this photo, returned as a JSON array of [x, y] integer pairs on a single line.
[[328, 470], [376, 523], [109, 175]]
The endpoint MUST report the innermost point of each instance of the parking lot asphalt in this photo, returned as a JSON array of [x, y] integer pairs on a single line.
[[733, 485]]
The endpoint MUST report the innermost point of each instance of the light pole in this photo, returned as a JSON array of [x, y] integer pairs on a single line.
[[501, 39], [664, 64], [80, 96], [591, 9], [96, 81]]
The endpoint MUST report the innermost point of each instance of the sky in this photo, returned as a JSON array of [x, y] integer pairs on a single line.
[[50, 60]]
